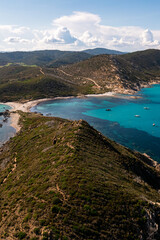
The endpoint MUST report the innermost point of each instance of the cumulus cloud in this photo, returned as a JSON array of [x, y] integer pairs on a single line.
[[147, 36], [78, 31], [87, 28], [148, 39], [78, 22], [62, 36], [16, 40], [91, 40]]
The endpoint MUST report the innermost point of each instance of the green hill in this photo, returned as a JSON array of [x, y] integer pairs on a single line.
[[52, 58], [43, 58], [99, 74], [26, 83], [121, 73], [62, 179], [147, 59]]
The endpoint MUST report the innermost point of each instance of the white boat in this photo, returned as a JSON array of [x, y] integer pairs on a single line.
[[137, 115]]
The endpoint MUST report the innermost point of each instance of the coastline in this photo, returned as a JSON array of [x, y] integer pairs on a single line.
[[15, 121], [26, 106]]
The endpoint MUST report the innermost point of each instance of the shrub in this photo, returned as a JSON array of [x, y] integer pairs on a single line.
[[21, 235], [37, 231]]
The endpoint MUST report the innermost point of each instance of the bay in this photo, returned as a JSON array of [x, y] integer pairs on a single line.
[[134, 123]]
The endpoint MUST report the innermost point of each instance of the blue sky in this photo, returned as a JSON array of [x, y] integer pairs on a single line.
[[42, 24]]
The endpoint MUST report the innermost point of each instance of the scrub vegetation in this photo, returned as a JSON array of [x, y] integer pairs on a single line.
[[62, 179], [75, 75]]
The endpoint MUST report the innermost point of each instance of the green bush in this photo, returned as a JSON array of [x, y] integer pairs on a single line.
[[21, 235], [55, 209], [37, 231], [56, 200]]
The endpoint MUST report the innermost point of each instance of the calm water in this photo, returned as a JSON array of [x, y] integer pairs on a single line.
[[120, 124], [6, 131]]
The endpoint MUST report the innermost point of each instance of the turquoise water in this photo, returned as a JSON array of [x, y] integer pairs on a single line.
[[6, 131], [120, 124]]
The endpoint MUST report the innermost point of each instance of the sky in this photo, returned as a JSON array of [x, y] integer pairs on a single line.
[[123, 25]]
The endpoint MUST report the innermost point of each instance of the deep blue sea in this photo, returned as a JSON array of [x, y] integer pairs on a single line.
[[121, 123], [6, 131]]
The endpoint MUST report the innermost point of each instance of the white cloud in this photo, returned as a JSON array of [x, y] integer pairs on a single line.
[[62, 36], [16, 40], [148, 39], [147, 36], [78, 31], [88, 29], [90, 40], [78, 22]]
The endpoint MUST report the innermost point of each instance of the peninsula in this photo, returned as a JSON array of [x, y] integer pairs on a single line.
[[62, 179]]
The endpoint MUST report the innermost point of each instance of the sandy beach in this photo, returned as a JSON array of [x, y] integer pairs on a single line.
[[25, 107], [15, 121], [107, 94]]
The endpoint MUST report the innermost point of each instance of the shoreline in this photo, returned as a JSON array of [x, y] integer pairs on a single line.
[[26, 106], [14, 117]]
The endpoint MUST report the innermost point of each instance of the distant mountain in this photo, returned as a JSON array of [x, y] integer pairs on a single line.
[[69, 58], [51, 58], [98, 51], [43, 58]]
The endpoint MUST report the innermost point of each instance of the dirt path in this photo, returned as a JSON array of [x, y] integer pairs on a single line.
[[62, 193], [41, 71], [12, 170], [90, 79], [65, 73], [57, 76]]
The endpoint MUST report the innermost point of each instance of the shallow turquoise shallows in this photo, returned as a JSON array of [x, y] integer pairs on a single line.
[[134, 123], [6, 131]]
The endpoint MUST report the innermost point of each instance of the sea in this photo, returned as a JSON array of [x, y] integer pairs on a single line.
[[6, 131], [132, 122]]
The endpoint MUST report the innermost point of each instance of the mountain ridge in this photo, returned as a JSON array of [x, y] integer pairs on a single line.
[[98, 51], [75, 184], [51, 58]]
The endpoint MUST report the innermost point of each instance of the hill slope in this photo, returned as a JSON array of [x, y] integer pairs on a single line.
[[26, 83], [122, 73], [62, 179], [99, 74], [69, 58]]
